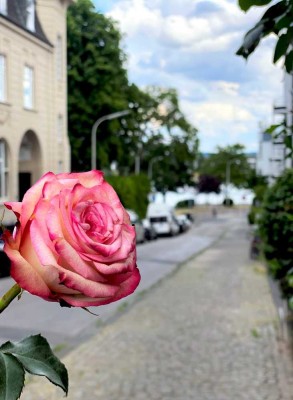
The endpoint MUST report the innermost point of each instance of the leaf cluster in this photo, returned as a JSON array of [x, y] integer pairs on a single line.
[[216, 165], [283, 133], [98, 85], [276, 20], [276, 229], [34, 355], [133, 191]]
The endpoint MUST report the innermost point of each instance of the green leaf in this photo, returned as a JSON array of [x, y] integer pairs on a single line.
[[291, 303], [272, 128], [251, 40], [289, 62], [275, 12], [36, 357], [281, 47], [246, 4], [11, 377], [288, 141]]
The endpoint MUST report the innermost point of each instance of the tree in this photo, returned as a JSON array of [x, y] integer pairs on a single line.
[[231, 157], [175, 141], [276, 228], [276, 20], [97, 85], [208, 184]]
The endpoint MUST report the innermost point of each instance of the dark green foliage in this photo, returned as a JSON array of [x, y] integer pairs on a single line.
[[208, 184], [34, 355], [97, 83], [253, 215], [228, 202], [276, 228], [216, 165], [133, 191], [276, 20], [283, 132]]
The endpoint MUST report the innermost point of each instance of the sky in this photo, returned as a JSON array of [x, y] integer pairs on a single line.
[[190, 45]]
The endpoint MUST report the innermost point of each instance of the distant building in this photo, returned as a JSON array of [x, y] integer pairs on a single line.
[[251, 159], [33, 93], [272, 155]]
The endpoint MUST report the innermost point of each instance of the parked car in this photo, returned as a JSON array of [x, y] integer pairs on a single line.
[[135, 220], [163, 219], [149, 230], [183, 222], [4, 262]]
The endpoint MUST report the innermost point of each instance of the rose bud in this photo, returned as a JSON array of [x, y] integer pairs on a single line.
[[73, 242]]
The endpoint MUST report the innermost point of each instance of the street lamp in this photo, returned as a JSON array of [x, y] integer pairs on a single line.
[[150, 167], [228, 173], [94, 132]]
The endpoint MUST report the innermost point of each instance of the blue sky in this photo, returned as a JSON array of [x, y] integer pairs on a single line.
[[190, 45]]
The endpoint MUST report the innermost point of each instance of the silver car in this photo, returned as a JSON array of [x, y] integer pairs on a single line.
[[135, 220]]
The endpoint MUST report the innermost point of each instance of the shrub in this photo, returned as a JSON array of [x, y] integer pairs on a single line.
[[276, 229], [228, 202], [253, 215], [133, 191]]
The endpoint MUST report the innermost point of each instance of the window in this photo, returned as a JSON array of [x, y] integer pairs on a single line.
[[3, 7], [3, 83], [59, 58], [60, 128], [3, 170], [30, 15], [28, 87]]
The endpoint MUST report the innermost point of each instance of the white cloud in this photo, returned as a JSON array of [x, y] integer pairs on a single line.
[[191, 45]]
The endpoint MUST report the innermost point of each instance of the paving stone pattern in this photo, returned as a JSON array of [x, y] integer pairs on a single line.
[[208, 332]]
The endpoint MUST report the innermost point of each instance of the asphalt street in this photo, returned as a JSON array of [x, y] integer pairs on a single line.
[[64, 327], [209, 331]]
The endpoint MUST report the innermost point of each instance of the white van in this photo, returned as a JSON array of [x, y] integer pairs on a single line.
[[163, 219]]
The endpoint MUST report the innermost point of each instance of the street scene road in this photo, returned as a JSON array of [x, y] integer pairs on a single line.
[[209, 331], [65, 327]]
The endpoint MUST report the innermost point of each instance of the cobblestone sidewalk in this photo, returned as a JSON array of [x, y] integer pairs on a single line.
[[208, 332]]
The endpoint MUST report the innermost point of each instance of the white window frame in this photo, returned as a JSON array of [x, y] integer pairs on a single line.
[[30, 15], [3, 170], [28, 87], [3, 7], [3, 78], [59, 58]]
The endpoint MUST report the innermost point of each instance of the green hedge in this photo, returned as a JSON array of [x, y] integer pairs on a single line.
[[276, 229], [133, 191], [253, 214]]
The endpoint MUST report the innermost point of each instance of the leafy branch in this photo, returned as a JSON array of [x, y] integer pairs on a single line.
[[34, 355], [276, 20]]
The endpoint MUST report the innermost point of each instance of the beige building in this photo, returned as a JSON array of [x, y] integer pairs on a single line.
[[33, 93]]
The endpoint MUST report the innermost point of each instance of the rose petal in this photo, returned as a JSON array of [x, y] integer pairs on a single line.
[[27, 276], [85, 286], [87, 179], [70, 257], [15, 206], [125, 289]]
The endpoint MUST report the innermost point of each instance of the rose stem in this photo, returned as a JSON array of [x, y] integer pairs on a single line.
[[9, 296]]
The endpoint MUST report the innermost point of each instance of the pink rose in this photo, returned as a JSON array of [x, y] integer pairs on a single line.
[[74, 242]]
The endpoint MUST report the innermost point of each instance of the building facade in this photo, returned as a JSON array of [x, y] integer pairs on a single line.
[[33, 93], [272, 157]]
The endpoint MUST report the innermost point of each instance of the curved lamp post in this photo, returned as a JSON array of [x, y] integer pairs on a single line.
[[228, 173], [150, 166], [94, 132]]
